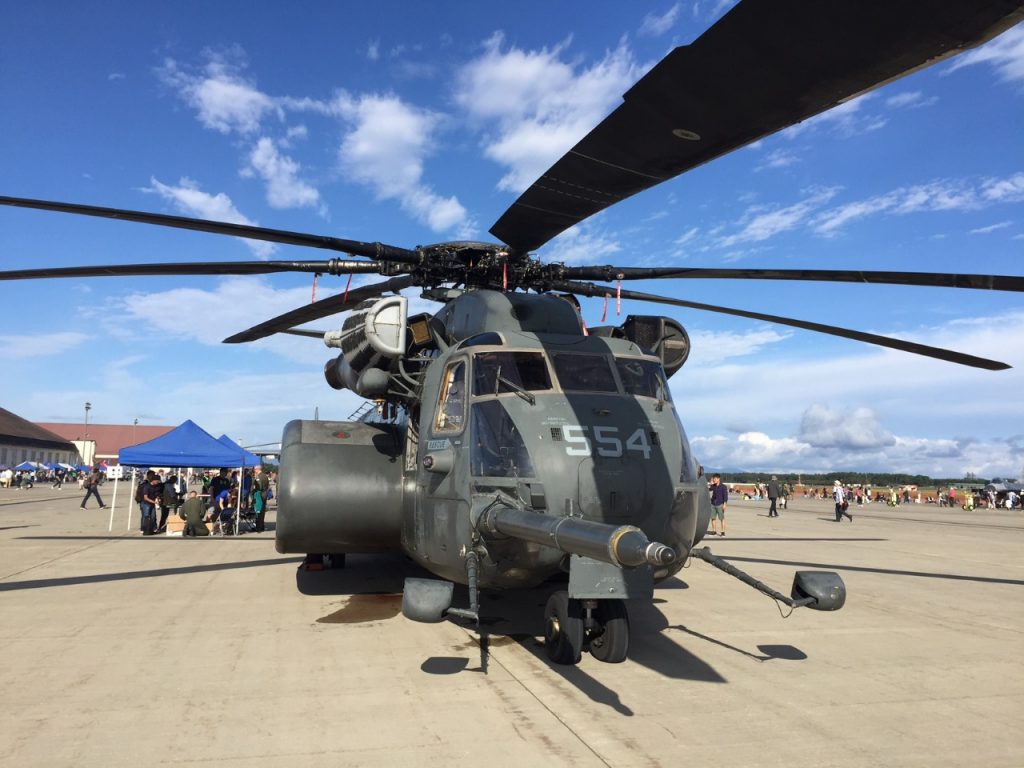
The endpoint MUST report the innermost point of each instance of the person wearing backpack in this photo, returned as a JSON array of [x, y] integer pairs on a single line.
[[169, 501], [150, 498], [91, 484]]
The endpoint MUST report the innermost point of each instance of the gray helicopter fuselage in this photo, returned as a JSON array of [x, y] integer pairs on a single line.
[[564, 424], [518, 408]]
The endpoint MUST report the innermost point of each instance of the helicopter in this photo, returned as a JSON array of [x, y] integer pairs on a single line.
[[515, 445]]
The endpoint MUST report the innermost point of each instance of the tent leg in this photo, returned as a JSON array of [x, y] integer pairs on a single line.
[[131, 502], [113, 504]]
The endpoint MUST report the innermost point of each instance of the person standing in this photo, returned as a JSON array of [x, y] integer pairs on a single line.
[[91, 484], [719, 501], [150, 498], [261, 484], [839, 495], [786, 491], [169, 501], [773, 492]]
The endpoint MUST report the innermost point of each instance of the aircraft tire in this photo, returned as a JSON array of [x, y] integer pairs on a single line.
[[563, 628], [612, 645]]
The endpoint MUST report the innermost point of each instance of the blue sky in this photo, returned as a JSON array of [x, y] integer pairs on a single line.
[[415, 123]]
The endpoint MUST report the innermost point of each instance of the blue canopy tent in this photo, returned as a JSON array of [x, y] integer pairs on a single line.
[[27, 466], [187, 445], [250, 458]]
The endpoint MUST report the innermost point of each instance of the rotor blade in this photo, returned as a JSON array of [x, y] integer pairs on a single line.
[[304, 332], [331, 266], [322, 308], [763, 66], [590, 289], [249, 231], [939, 279]]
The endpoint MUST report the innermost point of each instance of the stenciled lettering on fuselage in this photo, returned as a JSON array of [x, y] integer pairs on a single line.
[[604, 441]]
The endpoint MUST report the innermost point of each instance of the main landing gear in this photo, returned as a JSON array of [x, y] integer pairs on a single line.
[[572, 626]]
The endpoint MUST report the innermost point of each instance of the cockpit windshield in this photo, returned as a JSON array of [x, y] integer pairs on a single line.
[[643, 378], [498, 372], [584, 373]]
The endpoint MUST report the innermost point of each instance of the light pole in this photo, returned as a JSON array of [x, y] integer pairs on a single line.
[[134, 425], [85, 442]]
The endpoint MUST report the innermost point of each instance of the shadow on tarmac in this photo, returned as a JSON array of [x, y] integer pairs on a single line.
[[769, 652], [521, 622], [798, 538], [891, 571], [361, 575], [11, 586], [135, 536], [515, 617]]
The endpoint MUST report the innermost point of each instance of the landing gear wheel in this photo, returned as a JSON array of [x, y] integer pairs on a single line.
[[335, 560], [610, 643], [563, 628]]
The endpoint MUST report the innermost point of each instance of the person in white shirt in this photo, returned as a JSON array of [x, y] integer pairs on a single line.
[[839, 494]]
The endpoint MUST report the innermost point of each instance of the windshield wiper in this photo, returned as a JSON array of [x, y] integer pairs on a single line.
[[526, 395]]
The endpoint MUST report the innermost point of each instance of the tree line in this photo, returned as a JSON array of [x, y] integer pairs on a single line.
[[849, 477]]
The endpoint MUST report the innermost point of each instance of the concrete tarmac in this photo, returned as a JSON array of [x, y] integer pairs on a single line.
[[123, 650]]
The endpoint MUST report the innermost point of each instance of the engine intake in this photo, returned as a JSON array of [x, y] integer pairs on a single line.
[[371, 337]]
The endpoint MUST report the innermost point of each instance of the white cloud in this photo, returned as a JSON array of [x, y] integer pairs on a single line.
[[915, 455], [654, 25], [760, 224], [1005, 54], [284, 187], [373, 49], [385, 150], [687, 236], [189, 199], [39, 345], [581, 244], [1009, 190], [821, 427], [223, 100], [943, 195], [991, 228], [910, 100], [869, 391], [712, 347], [536, 105], [777, 158], [209, 315], [845, 120]]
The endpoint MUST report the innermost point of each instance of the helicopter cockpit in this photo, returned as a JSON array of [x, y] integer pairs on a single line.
[[497, 378]]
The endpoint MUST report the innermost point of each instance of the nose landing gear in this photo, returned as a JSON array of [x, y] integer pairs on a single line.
[[572, 626]]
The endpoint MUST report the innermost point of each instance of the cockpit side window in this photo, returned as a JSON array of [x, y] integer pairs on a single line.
[[643, 378], [451, 405], [584, 373], [497, 372], [498, 449]]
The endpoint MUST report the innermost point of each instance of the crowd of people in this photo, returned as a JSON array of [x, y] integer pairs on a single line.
[[844, 495], [23, 479], [225, 504]]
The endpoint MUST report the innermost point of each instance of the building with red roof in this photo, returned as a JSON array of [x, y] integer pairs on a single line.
[[102, 442]]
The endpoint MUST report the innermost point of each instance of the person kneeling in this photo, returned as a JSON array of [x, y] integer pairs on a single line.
[[192, 512]]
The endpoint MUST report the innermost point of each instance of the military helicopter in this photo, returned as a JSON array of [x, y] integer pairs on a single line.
[[514, 444]]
